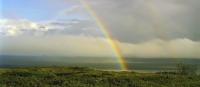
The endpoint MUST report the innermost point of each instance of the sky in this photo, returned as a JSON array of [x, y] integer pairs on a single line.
[[142, 28]]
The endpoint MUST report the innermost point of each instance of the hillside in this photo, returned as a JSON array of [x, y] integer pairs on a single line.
[[85, 77]]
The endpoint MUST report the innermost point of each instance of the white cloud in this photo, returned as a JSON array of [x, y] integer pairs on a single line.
[[9, 27], [18, 27]]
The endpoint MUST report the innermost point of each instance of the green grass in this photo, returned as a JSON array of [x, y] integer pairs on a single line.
[[85, 77]]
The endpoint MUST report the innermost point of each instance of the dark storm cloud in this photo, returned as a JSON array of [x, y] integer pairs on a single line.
[[141, 20]]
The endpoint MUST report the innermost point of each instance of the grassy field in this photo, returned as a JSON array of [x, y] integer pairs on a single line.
[[85, 77]]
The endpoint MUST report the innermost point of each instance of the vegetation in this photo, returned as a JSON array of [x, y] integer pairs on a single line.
[[85, 77], [186, 69]]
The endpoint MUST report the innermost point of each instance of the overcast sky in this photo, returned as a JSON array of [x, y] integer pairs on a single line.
[[144, 28]]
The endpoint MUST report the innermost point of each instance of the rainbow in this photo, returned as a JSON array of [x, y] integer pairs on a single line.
[[115, 47]]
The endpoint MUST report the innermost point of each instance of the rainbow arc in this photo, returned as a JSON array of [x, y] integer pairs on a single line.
[[113, 43]]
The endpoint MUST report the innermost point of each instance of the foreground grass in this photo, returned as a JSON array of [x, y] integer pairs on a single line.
[[84, 77]]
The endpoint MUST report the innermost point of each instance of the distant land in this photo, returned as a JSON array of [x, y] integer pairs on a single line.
[[104, 63]]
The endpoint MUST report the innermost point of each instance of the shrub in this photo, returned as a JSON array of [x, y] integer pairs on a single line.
[[186, 69]]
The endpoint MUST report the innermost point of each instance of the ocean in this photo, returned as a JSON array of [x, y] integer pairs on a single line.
[[104, 63]]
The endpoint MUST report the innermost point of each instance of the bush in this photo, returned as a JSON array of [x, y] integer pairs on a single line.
[[186, 69]]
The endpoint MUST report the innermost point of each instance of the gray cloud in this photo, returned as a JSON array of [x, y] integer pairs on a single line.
[[142, 20], [132, 20], [80, 45], [143, 28]]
